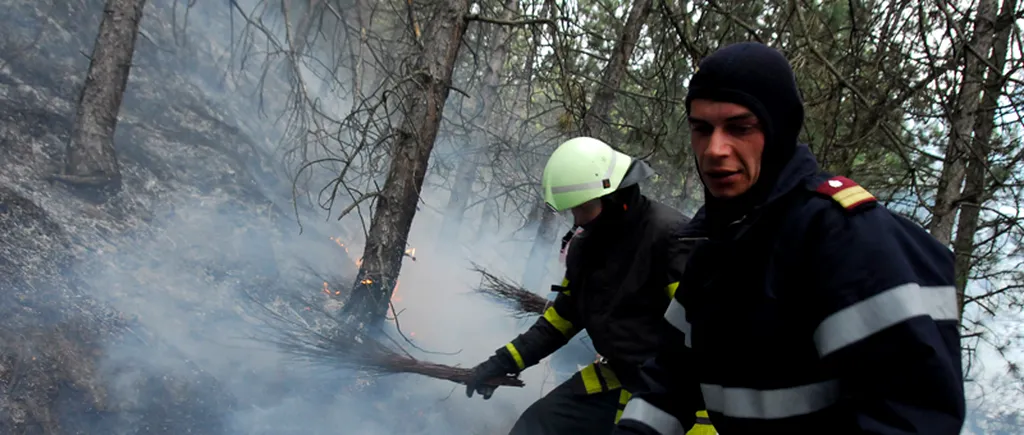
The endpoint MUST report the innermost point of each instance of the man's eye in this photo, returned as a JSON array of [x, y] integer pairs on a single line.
[[740, 130], [701, 129]]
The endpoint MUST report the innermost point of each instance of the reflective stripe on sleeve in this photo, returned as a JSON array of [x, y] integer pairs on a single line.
[[869, 316], [516, 356], [770, 404], [663, 423], [562, 325], [670, 289], [676, 316]]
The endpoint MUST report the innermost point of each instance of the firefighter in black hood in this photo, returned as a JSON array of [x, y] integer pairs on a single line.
[[809, 307], [621, 272]]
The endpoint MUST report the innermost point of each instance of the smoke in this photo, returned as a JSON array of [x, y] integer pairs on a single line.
[[206, 217], [189, 291]]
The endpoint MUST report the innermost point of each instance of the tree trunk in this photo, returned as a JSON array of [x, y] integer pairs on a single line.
[[437, 48], [466, 174], [947, 198], [299, 33], [974, 194], [489, 216], [597, 118], [360, 51], [595, 122], [689, 177], [91, 157], [542, 249]]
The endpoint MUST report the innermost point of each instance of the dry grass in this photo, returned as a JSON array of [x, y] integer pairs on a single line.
[[320, 336], [521, 302]]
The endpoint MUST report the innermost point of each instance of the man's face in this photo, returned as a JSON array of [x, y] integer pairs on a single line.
[[728, 141], [588, 211]]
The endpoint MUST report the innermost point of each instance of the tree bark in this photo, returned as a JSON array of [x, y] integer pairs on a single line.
[[947, 198], [541, 251], [91, 158], [436, 50], [689, 178], [466, 174], [598, 118], [489, 215], [595, 122], [974, 194]]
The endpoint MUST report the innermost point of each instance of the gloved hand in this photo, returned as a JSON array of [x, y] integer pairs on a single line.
[[496, 366]]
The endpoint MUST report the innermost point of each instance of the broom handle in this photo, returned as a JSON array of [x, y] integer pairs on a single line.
[[459, 375]]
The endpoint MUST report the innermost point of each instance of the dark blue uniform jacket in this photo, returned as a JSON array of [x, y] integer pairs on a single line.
[[819, 312]]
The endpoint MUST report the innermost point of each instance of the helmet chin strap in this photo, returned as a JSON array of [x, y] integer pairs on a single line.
[[567, 240]]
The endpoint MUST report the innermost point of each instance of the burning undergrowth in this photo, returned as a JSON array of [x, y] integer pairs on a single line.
[[312, 329], [122, 318]]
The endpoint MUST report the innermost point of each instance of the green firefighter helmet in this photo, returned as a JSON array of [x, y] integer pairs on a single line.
[[584, 168]]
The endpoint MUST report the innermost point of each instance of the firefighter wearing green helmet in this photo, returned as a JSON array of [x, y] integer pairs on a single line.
[[622, 271]]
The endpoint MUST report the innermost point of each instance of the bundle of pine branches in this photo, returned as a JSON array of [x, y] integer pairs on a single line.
[[520, 301], [323, 338]]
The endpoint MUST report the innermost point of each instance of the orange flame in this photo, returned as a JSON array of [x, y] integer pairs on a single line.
[[338, 241], [411, 252]]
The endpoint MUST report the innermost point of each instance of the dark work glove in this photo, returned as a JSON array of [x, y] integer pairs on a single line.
[[497, 366]]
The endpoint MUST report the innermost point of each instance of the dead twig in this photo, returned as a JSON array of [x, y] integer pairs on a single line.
[[337, 344], [522, 302]]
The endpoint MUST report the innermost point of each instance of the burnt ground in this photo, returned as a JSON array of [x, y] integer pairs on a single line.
[[84, 345], [54, 335], [122, 317]]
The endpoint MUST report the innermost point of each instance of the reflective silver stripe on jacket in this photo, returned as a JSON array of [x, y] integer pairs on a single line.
[[662, 422], [865, 318], [770, 404], [676, 315]]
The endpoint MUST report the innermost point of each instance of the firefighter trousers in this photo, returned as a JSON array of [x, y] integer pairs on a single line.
[[565, 412]]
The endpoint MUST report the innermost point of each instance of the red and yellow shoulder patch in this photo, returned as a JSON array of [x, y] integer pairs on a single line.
[[846, 192]]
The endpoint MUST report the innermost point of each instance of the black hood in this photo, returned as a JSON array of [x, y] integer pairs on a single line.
[[759, 78]]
